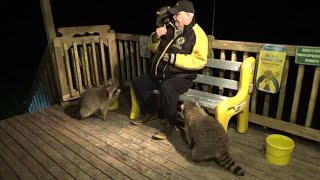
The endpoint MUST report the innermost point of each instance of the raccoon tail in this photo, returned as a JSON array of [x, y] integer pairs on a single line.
[[225, 161]]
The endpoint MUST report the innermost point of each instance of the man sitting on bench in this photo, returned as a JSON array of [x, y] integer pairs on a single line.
[[180, 50]]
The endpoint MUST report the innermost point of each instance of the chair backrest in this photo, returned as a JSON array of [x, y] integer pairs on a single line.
[[220, 81]]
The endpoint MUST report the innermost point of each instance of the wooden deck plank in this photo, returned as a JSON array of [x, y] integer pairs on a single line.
[[78, 149], [5, 171], [62, 161], [249, 165], [257, 161], [300, 159], [109, 149], [143, 153], [267, 173], [15, 164], [153, 147], [29, 162], [132, 145], [135, 131], [256, 146], [168, 153], [258, 137], [178, 148], [172, 151], [143, 131], [124, 147], [92, 171], [41, 157], [90, 144], [81, 146], [177, 156]]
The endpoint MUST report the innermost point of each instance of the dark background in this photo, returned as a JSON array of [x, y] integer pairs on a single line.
[[23, 37]]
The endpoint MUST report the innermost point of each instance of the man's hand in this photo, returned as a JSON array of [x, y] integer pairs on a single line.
[[165, 57], [161, 31]]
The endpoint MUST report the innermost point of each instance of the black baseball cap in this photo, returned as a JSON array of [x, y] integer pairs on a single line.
[[182, 5]]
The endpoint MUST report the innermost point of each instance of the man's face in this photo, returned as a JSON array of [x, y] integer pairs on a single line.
[[181, 19]]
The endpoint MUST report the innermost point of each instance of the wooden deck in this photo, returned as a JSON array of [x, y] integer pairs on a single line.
[[51, 145]]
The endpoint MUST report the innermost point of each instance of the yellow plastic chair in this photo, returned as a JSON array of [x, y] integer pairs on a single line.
[[228, 107]]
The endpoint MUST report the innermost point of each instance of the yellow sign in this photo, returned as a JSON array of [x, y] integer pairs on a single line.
[[271, 62]]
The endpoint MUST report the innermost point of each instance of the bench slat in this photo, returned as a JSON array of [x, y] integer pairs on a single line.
[[204, 99], [216, 81], [207, 94], [226, 65]]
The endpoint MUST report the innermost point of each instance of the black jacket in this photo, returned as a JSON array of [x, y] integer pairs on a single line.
[[187, 52]]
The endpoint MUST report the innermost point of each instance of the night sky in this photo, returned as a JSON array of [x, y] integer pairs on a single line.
[[282, 22]]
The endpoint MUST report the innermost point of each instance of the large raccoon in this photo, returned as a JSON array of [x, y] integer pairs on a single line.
[[207, 138], [95, 99]]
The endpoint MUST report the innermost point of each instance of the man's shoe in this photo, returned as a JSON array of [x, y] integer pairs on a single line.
[[146, 118], [164, 131], [136, 122]]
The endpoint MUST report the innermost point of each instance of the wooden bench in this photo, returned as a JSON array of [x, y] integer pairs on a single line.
[[224, 107]]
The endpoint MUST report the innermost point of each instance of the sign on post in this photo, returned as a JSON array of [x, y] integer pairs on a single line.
[[270, 67], [308, 55]]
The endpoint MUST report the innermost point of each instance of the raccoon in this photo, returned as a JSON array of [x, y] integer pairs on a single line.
[[163, 16], [207, 138], [95, 99]]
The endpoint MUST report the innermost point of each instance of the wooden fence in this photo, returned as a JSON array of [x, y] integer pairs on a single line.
[[86, 61], [85, 57]]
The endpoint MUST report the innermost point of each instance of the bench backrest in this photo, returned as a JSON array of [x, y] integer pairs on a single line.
[[220, 81]]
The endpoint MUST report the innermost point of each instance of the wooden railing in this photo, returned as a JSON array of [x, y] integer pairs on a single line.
[[85, 57], [86, 61], [44, 89], [132, 64], [279, 111]]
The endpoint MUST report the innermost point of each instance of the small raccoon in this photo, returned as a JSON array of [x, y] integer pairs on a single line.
[[163, 16], [95, 99], [207, 138]]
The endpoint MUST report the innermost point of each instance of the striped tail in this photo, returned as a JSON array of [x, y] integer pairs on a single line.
[[226, 162]]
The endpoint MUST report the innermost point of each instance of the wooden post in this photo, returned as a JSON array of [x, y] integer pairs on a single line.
[[113, 58], [282, 93], [221, 73], [51, 34], [253, 107], [297, 91], [232, 74], [313, 97]]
